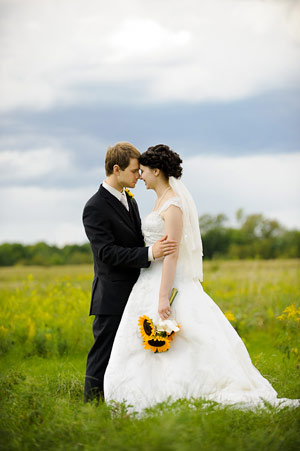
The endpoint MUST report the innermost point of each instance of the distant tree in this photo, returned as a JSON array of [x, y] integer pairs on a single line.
[[239, 215], [255, 237], [12, 253], [215, 237], [210, 222]]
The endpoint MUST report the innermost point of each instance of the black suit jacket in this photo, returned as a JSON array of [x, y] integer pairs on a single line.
[[118, 248]]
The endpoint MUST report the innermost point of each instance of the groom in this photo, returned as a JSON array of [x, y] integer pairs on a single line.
[[113, 226]]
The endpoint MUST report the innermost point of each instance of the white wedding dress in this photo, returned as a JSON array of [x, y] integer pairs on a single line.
[[207, 358]]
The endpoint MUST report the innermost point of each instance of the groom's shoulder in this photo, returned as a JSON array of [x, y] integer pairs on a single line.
[[96, 200]]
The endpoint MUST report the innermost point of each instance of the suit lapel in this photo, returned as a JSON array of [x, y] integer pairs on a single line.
[[133, 208], [117, 206]]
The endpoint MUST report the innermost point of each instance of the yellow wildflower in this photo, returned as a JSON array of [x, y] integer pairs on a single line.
[[291, 311], [31, 328], [230, 316], [281, 317]]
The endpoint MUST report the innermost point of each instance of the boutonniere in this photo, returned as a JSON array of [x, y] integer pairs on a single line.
[[129, 193]]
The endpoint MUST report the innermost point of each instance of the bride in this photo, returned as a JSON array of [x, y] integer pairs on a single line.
[[207, 359]]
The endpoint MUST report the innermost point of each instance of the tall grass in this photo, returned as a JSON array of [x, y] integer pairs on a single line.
[[46, 333]]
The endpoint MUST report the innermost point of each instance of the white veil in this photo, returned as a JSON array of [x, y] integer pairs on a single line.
[[191, 238]]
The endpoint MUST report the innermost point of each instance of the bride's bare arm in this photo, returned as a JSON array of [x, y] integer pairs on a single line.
[[173, 228]]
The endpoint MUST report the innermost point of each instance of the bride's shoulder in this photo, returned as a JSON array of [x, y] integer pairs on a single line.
[[173, 200]]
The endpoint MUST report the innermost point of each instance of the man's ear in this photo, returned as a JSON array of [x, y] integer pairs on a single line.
[[156, 172], [116, 169]]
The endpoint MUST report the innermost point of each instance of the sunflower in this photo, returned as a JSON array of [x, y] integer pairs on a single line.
[[146, 326], [157, 344]]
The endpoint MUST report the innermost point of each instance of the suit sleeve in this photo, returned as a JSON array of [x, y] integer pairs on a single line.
[[99, 233]]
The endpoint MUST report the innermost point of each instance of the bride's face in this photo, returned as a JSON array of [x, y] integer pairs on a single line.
[[148, 175]]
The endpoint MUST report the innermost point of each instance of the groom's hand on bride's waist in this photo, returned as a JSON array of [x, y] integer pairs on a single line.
[[164, 247]]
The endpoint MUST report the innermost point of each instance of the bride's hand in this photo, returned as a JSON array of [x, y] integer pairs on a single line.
[[164, 309]]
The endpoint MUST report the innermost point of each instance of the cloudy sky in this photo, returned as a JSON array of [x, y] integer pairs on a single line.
[[217, 80]]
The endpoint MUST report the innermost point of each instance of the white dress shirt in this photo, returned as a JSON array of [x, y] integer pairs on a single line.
[[120, 196], [123, 199]]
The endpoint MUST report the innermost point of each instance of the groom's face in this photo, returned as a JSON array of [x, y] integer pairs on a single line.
[[130, 175]]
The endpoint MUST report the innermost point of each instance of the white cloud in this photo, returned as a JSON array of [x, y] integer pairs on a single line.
[[141, 38], [20, 166], [31, 214], [198, 50], [260, 184], [267, 184], [51, 166]]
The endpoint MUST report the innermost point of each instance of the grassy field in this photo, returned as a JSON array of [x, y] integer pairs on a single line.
[[45, 334]]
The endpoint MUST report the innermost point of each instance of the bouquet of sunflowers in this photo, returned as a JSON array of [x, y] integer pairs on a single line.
[[157, 337]]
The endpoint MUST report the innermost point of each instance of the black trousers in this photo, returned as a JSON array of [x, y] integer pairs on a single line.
[[104, 329]]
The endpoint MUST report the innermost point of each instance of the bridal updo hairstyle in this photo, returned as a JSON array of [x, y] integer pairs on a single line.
[[163, 158]]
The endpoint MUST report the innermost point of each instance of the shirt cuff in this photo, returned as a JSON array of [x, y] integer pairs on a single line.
[[150, 254]]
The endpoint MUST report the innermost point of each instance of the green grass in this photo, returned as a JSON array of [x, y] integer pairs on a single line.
[[45, 336], [43, 410]]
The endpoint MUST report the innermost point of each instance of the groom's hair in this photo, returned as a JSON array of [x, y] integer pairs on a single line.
[[120, 154]]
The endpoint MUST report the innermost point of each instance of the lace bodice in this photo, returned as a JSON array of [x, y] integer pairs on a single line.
[[153, 225]]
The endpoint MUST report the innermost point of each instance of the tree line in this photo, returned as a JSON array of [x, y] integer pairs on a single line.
[[255, 237]]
